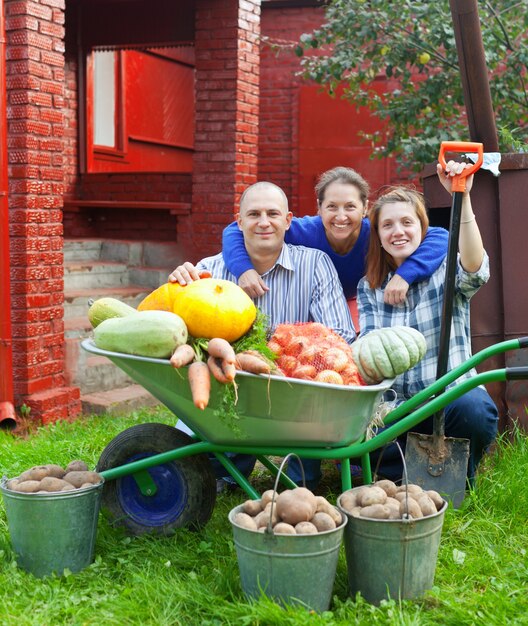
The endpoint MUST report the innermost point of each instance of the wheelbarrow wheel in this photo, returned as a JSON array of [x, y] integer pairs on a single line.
[[185, 488]]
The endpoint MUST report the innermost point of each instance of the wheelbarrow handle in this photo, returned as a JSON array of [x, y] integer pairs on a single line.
[[459, 181]]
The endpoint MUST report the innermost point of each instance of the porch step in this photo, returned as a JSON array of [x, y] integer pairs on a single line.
[[117, 401], [76, 300], [93, 269]]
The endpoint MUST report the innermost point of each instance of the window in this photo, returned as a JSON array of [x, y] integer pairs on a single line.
[[140, 110]]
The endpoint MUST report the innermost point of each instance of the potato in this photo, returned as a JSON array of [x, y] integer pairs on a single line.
[[410, 508], [267, 496], [252, 507], [68, 487], [348, 500], [49, 483], [436, 498], [372, 495], [55, 471], [283, 529], [263, 518], [414, 489], [323, 506], [77, 479], [401, 496], [245, 521], [12, 483], [27, 486], [76, 466], [38, 472], [394, 507], [375, 511], [356, 511], [296, 505], [323, 521], [388, 486], [305, 528], [427, 506]]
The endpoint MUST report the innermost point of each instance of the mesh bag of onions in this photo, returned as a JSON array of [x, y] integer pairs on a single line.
[[311, 351]]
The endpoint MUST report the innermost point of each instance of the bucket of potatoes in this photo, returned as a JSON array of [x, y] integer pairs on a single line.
[[48, 497], [287, 546], [391, 539]]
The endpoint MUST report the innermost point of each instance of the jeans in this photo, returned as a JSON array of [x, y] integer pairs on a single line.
[[473, 416]]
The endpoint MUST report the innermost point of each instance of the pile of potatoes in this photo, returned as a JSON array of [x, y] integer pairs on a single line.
[[295, 512], [386, 500], [54, 478]]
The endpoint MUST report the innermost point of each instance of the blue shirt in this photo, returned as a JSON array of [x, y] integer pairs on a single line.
[[304, 287], [423, 310], [309, 231]]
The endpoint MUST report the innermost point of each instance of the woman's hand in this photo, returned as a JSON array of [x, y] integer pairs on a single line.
[[453, 168], [396, 290], [251, 282]]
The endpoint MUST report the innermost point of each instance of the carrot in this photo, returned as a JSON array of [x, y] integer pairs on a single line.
[[221, 349], [183, 355], [252, 363], [229, 370], [215, 367], [200, 384]]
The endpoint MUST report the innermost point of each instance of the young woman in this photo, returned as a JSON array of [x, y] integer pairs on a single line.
[[398, 226], [340, 229]]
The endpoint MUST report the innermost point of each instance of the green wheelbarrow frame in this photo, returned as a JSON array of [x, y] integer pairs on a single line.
[[398, 421]]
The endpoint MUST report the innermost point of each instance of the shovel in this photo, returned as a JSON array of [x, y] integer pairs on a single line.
[[436, 461]]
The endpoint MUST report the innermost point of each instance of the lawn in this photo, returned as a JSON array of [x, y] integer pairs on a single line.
[[192, 577]]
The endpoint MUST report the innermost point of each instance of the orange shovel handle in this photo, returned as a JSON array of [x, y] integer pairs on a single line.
[[459, 181]]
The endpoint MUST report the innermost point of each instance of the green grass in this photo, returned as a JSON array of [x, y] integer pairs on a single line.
[[192, 578]]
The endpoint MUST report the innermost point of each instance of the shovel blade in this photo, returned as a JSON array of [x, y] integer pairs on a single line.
[[438, 463]]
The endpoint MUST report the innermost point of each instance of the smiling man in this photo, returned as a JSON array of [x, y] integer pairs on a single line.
[[303, 287]]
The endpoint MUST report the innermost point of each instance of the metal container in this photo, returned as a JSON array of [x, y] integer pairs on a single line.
[[51, 532], [391, 558], [272, 409], [290, 569]]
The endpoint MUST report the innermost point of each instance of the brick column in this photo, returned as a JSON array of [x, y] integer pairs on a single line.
[[226, 127], [35, 92]]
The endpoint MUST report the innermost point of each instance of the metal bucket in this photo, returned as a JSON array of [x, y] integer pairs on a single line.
[[53, 532], [290, 569], [391, 558]]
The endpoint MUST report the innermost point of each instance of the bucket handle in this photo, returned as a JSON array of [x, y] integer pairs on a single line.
[[405, 479], [269, 527]]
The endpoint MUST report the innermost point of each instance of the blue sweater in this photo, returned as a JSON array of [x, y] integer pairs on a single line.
[[309, 231]]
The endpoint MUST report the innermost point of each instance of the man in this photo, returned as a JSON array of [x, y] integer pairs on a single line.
[[303, 283]]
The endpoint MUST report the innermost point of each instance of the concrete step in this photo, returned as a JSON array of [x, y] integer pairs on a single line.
[[134, 253], [151, 276], [117, 401], [94, 274], [82, 249], [76, 300], [91, 373]]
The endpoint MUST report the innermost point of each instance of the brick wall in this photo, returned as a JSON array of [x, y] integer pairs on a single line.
[[125, 223], [35, 99], [226, 123], [278, 123]]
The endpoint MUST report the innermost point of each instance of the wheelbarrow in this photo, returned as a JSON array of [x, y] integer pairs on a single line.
[[159, 479]]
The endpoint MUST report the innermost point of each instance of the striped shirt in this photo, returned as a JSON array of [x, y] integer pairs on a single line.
[[423, 310], [303, 287]]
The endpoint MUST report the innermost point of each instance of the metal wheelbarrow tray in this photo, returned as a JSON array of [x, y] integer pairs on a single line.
[[273, 410]]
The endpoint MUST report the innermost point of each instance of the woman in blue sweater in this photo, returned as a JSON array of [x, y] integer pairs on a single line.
[[342, 230]]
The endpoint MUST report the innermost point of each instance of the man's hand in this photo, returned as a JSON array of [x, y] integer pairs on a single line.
[[251, 282], [185, 274], [396, 290]]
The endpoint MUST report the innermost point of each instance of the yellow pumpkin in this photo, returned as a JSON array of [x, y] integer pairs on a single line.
[[161, 299], [212, 307]]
